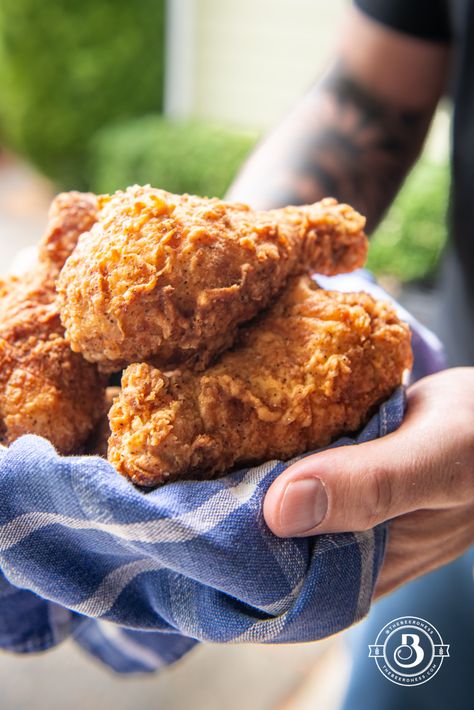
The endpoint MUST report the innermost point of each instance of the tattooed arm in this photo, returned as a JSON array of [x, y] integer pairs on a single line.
[[355, 135]]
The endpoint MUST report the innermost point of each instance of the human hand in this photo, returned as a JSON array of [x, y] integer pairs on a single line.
[[421, 476]]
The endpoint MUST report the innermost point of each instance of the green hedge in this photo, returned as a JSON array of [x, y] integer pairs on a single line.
[[188, 156], [68, 67], [410, 239]]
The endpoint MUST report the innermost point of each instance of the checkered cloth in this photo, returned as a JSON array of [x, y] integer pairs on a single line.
[[138, 578]]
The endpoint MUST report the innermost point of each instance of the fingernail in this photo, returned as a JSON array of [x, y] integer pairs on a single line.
[[303, 507]]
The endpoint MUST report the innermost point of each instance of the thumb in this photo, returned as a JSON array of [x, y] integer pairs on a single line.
[[351, 488]]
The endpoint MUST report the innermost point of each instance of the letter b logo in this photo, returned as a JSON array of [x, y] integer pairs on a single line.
[[409, 655]]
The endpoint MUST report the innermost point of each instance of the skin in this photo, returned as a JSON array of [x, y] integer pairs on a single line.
[[355, 136]]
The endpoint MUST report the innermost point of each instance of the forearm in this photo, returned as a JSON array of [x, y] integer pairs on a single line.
[[341, 140]]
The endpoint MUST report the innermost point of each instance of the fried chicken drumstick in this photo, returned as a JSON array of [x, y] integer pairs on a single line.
[[169, 278], [45, 388], [312, 368]]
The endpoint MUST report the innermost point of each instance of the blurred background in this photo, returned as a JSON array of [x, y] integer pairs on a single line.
[[99, 94]]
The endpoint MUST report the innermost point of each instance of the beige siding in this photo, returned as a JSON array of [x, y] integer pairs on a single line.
[[255, 57]]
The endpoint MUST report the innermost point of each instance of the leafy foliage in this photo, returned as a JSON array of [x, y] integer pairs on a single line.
[[410, 239], [68, 67], [188, 156]]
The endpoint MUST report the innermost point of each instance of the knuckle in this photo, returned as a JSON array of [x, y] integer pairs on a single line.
[[378, 500]]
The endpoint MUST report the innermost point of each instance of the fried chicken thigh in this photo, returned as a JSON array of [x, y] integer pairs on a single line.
[[313, 367], [45, 388], [169, 278]]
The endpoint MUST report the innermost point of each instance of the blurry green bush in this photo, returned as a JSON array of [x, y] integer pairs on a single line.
[[67, 67], [410, 239], [187, 156]]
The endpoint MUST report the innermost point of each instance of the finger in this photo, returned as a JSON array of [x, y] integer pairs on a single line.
[[352, 488]]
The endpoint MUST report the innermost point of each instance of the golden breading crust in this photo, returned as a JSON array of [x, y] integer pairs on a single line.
[[309, 370], [45, 388], [70, 214], [168, 278]]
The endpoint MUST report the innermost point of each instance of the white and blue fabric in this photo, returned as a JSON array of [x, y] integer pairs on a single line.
[[137, 579]]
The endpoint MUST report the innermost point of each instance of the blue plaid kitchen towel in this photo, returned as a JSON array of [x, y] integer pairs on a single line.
[[137, 579]]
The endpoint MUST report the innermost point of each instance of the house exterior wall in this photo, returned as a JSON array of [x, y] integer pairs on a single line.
[[254, 58]]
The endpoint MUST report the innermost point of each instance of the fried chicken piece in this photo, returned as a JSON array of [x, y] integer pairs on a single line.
[[312, 368], [169, 278], [45, 388], [70, 214]]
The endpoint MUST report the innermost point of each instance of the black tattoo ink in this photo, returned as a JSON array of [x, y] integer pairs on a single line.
[[341, 141]]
